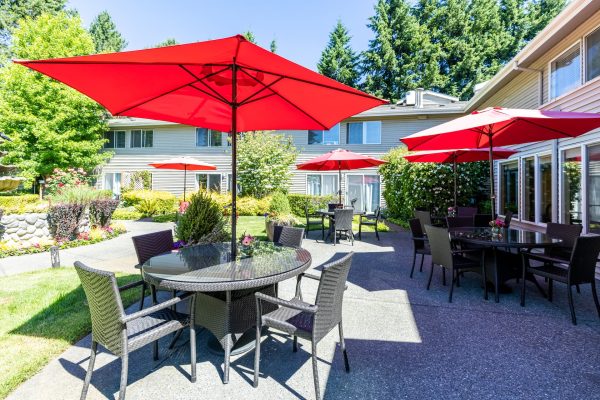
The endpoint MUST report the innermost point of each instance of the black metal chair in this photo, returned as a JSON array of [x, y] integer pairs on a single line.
[[122, 333], [459, 222], [369, 220], [580, 269], [420, 244], [482, 220], [305, 320], [466, 211], [147, 246], [342, 222], [291, 237], [314, 220], [443, 255]]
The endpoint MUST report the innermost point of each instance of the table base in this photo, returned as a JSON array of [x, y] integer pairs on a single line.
[[245, 344]]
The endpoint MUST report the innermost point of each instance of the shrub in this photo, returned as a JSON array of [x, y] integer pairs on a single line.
[[279, 205], [203, 221], [22, 204], [246, 205], [101, 211], [63, 220], [80, 195], [299, 201], [128, 213], [64, 179], [150, 202]]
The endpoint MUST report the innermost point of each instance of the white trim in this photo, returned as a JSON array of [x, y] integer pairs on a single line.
[[585, 217], [584, 40], [321, 174], [196, 173]]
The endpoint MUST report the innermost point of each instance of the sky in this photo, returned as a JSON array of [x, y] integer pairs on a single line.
[[300, 28]]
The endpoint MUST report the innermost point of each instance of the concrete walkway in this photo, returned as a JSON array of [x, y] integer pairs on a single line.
[[403, 341], [115, 254]]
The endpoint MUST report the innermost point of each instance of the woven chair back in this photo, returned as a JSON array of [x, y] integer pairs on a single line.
[[417, 232], [439, 243], [105, 305], [566, 232], [291, 237], [424, 217], [459, 222], [582, 268], [152, 244], [343, 219], [330, 295]]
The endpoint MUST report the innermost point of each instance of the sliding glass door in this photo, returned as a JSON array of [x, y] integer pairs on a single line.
[[366, 189], [571, 208]]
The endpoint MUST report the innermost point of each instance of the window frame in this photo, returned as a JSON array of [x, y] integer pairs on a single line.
[[364, 132], [209, 139], [577, 43], [143, 133], [197, 186], [320, 175], [584, 68], [115, 141], [322, 143]]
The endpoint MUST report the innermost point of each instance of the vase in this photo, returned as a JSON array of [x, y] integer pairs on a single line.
[[496, 231]]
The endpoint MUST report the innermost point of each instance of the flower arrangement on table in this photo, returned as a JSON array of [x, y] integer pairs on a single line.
[[250, 246], [497, 225], [451, 212]]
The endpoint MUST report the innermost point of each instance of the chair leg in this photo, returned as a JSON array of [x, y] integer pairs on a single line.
[[334, 236], [124, 367], [577, 288], [226, 362], [352, 237], [88, 375], [359, 231], [412, 270], [524, 263], [550, 289], [192, 342], [155, 350], [175, 338], [315, 370], [295, 344], [376, 231], [458, 279], [570, 293], [453, 279], [143, 295], [595, 295], [422, 259], [343, 347], [257, 355], [153, 293], [483, 276], [443, 276], [430, 276]]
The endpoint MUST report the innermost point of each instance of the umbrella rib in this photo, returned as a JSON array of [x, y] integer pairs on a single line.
[[257, 99], [209, 94], [265, 87], [154, 98], [218, 96], [550, 129]]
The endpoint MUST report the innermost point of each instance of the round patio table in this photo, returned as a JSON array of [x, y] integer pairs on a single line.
[[509, 238], [225, 301]]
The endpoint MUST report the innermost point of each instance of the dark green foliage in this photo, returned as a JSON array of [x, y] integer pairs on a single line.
[[298, 202], [106, 37], [101, 211], [280, 205], [273, 46], [203, 221], [167, 42], [338, 60], [63, 220]]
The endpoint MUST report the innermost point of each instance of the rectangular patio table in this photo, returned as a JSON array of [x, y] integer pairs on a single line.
[[331, 214], [500, 245]]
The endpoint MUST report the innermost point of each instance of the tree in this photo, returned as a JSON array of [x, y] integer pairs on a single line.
[[390, 64], [106, 37], [51, 125], [540, 12], [249, 36], [11, 11], [273, 46], [264, 161], [338, 60], [167, 42]]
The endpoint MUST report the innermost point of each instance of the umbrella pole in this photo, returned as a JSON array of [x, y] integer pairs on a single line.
[[340, 181], [184, 180], [234, 161], [492, 195], [454, 170]]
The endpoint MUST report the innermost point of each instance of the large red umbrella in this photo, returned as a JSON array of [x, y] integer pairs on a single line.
[[458, 156], [227, 84], [502, 127], [184, 164], [338, 160]]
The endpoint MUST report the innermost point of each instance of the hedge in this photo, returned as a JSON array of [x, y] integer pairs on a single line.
[[150, 202], [299, 201], [22, 204]]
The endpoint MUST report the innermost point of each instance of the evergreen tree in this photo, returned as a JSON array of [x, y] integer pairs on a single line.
[[167, 42], [338, 60], [513, 14], [107, 38], [540, 12], [249, 36], [273, 46]]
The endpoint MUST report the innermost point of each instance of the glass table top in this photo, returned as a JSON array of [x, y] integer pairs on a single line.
[[508, 237]]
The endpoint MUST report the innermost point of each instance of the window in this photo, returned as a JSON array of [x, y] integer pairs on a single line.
[[322, 185], [112, 182], [116, 140], [529, 189], [364, 132], [237, 185], [593, 178], [365, 189], [331, 136], [571, 209], [546, 188], [565, 72], [509, 187], [208, 138], [210, 182], [592, 55], [140, 138]]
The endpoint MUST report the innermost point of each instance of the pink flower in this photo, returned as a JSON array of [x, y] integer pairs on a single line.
[[183, 206], [247, 240]]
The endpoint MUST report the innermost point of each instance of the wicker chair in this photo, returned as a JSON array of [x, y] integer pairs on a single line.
[[506, 218], [443, 255], [369, 220], [122, 333], [459, 222], [150, 245], [301, 319], [466, 211], [291, 237], [314, 220], [568, 234], [424, 218], [342, 220], [580, 269], [420, 244]]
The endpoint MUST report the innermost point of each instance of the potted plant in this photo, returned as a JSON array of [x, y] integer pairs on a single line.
[[280, 213]]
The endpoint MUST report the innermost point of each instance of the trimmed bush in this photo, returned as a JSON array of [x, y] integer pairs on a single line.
[[80, 195], [22, 204], [246, 205], [150, 202], [203, 221], [299, 201], [128, 213], [63, 220], [101, 211], [279, 205]]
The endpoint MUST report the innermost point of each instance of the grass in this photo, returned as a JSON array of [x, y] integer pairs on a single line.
[[42, 313]]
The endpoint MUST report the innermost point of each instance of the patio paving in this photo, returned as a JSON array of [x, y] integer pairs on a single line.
[[403, 341]]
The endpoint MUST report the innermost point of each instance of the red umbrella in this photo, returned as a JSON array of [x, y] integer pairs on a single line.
[[226, 84], [458, 156], [502, 127], [186, 164], [339, 160]]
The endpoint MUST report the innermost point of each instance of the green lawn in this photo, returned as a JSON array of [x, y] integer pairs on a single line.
[[41, 314]]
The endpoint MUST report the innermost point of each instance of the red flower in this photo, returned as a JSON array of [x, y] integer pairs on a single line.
[[61, 184]]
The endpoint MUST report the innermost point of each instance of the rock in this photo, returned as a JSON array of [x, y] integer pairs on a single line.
[[20, 217], [43, 216], [31, 229], [31, 219], [40, 223], [26, 237]]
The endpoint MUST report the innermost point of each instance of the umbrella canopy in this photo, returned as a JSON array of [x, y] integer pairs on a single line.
[[183, 164], [502, 127], [338, 160], [458, 156], [228, 84]]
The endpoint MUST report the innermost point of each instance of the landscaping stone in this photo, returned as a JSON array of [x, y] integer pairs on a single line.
[[18, 228]]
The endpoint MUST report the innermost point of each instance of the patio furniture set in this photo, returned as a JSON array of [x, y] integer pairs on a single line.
[[227, 295], [461, 245], [340, 221]]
